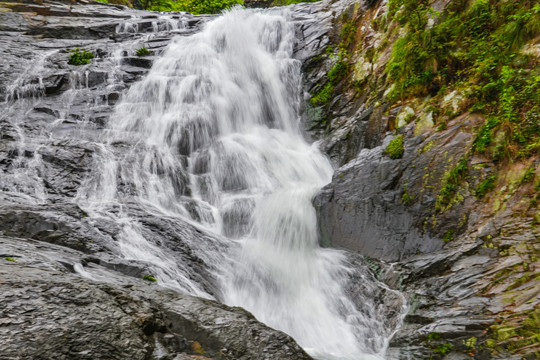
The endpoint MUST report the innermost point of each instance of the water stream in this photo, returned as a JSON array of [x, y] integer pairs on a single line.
[[212, 137]]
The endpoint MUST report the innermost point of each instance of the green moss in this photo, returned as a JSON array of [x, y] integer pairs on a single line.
[[142, 51], [338, 72], [323, 96], [348, 32], [525, 278], [8, 258], [470, 343], [442, 349], [80, 57], [149, 278], [395, 148]]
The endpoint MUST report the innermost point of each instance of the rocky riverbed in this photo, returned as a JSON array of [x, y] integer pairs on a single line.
[[65, 292]]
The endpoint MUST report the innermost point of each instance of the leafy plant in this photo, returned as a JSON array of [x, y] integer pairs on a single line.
[[485, 186], [323, 96], [8, 258], [405, 198], [338, 71], [192, 6], [149, 278], [450, 184], [142, 51], [80, 57], [528, 176], [395, 148]]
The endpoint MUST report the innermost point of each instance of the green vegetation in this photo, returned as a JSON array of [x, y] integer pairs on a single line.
[[192, 6], [340, 69], [289, 2], [80, 57], [335, 75], [517, 331], [149, 278], [142, 51], [449, 235], [8, 258], [451, 182], [442, 349], [395, 149], [323, 96], [338, 72], [197, 348], [405, 198], [470, 343], [485, 186], [528, 176], [475, 46]]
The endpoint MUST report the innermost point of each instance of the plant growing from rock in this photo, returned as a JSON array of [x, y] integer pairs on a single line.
[[149, 278], [395, 149], [485, 186], [80, 57], [142, 51]]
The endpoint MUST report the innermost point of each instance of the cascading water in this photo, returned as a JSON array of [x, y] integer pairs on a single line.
[[211, 137]]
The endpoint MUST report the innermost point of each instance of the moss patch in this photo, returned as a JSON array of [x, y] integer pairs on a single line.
[[395, 149]]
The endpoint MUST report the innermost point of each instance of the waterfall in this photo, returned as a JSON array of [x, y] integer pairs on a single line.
[[212, 136]]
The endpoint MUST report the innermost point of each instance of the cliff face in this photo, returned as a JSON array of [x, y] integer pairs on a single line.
[[437, 165]]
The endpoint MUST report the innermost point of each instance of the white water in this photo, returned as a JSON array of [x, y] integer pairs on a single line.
[[216, 120]]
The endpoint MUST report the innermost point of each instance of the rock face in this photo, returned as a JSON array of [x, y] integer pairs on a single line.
[[48, 312], [368, 206], [455, 253]]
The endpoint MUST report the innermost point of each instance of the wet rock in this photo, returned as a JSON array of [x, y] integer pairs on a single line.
[[51, 313], [141, 62], [364, 208]]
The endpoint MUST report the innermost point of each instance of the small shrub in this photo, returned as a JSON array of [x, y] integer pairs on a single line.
[[485, 186], [80, 57], [395, 149], [143, 51], [149, 278]]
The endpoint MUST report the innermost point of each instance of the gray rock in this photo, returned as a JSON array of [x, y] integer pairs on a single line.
[[49, 313]]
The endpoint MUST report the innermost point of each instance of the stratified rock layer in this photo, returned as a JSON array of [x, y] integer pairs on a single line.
[[49, 312]]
